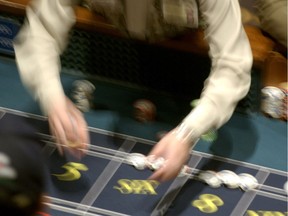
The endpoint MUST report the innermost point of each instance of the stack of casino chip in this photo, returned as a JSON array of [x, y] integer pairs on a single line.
[[144, 110], [82, 94], [211, 178], [228, 178], [154, 163], [141, 162], [274, 101], [137, 160]]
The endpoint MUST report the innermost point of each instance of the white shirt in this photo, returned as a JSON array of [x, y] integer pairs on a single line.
[[44, 37]]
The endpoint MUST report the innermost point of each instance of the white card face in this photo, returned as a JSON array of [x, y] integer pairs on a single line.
[[180, 12]]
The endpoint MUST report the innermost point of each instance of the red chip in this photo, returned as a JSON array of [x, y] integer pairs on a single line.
[[144, 110]]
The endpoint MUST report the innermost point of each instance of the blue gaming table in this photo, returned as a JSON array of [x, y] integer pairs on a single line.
[[107, 185]]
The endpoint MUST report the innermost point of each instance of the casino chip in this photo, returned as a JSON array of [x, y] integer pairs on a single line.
[[229, 179], [82, 94], [83, 85], [137, 160], [144, 110], [185, 171], [272, 101], [182, 173], [81, 101], [158, 163], [150, 159], [211, 178], [248, 182], [154, 163]]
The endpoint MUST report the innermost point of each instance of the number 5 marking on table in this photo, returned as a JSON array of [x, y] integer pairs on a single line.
[[208, 203], [72, 171]]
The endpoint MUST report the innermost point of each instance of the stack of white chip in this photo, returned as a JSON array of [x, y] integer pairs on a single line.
[[140, 161], [185, 171], [228, 178], [214, 179], [211, 178], [82, 94], [137, 160], [156, 164], [248, 182]]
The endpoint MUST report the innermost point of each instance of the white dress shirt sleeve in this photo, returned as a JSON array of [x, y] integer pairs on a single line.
[[44, 36], [229, 79], [38, 47]]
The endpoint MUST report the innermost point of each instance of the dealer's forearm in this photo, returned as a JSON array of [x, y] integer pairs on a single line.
[[229, 79], [38, 45]]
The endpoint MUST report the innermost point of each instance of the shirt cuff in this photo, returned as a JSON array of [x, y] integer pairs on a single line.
[[200, 120], [186, 134]]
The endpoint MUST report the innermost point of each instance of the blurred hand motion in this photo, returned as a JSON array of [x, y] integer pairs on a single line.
[[175, 152], [68, 126]]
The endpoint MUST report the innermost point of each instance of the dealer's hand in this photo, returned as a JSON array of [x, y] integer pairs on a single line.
[[68, 126], [175, 151]]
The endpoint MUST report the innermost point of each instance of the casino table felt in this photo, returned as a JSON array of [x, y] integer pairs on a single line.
[[110, 186]]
